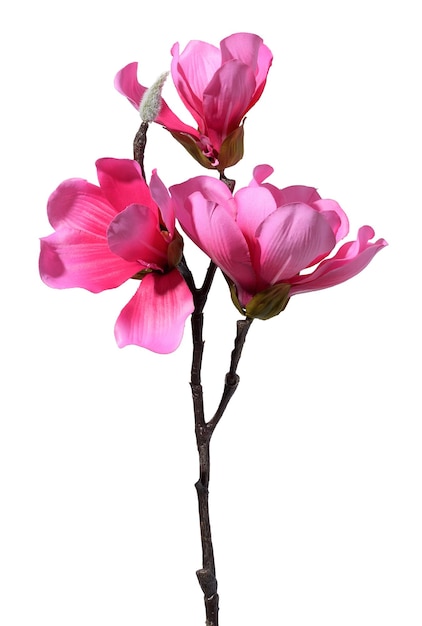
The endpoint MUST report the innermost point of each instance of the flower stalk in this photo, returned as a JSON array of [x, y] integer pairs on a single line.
[[204, 430], [139, 144]]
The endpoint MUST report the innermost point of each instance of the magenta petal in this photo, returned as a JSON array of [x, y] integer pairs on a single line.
[[122, 183], [298, 193], [80, 205], [290, 238], [265, 59], [254, 204], [162, 198], [205, 209], [335, 215], [288, 195], [170, 120], [210, 188], [241, 46], [251, 50], [216, 232], [126, 82], [192, 70], [155, 317], [350, 260], [135, 235], [70, 258], [260, 173], [226, 100]]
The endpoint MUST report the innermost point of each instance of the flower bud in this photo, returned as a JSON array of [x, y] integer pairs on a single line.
[[151, 101]]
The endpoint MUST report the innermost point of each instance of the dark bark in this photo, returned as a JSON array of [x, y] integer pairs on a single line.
[[139, 144], [204, 430]]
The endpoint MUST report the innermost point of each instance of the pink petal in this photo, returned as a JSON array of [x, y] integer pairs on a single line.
[[80, 205], [135, 235], [242, 46], [298, 193], [192, 70], [155, 317], [216, 232], [71, 258], [335, 215], [350, 259], [210, 188], [206, 211], [260, 173], [290, 238], [162, 198], [122, 183], [170, 121], [251, 50], [126, 82], [288, 195], [265, 59], [253, 204], [226, 99]]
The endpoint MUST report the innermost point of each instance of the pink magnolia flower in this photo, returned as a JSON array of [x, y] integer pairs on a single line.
[[122, 229], [271, 243], [218, 86]]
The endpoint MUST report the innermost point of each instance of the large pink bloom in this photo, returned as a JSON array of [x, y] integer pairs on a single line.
[[265, 236], [218, 86], [105, 235]]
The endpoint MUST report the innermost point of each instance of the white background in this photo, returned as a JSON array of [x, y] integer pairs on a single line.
[[316, 466]]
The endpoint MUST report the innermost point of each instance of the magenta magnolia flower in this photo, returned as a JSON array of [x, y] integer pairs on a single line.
[[263, 238], [218, 86], [105, 235]]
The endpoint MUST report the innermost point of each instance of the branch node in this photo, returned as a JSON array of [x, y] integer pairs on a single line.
[[232, 381], [208, 583]]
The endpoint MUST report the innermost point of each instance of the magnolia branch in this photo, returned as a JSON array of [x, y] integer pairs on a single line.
[[204, 430], [139, 144]]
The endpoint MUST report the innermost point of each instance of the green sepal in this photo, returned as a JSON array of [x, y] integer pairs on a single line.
[[141, 274], [231, 151], [268, 303], [265, 304]]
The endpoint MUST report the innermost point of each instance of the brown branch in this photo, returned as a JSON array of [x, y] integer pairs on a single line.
[[203, 431], [139, 144]]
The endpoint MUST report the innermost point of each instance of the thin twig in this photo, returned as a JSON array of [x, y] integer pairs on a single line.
[[139, 144]]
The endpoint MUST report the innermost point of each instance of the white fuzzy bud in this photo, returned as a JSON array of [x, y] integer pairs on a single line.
[[151, 101]]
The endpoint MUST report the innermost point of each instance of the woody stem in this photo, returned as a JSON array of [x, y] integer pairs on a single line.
[[204, 430], [139, 144]]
